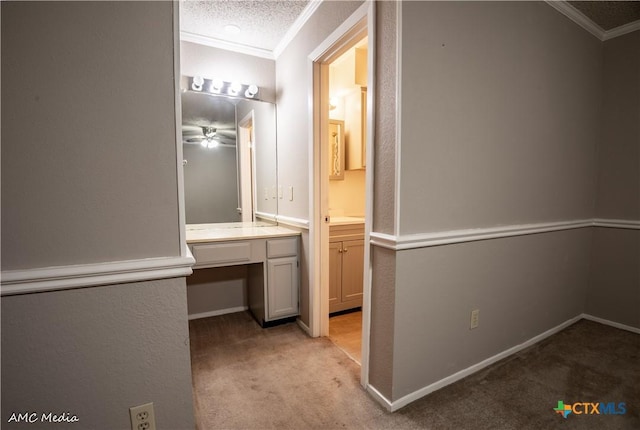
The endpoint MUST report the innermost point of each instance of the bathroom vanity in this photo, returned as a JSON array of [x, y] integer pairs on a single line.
[[346, 263], [271, 254]]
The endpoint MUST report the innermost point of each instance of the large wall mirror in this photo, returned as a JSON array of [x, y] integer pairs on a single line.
[[229, 148]]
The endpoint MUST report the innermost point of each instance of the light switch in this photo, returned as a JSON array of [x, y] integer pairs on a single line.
[[266, 193], [290, 194]]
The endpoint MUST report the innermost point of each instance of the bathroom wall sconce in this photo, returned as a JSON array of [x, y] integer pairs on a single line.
[[218, 86]]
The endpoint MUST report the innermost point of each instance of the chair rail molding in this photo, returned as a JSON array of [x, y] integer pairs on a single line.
[[90, 275], [423, 240]]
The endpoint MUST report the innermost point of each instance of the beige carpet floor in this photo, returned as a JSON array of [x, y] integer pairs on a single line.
[[246, 377]]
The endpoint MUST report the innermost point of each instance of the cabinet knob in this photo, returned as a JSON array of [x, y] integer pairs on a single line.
[[345, 250], [340, 250]]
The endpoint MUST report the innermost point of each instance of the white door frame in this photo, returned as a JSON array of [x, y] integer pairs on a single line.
[[246, 167], [363, 19]]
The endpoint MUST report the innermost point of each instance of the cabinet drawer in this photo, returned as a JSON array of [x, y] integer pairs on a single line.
[[222, 253], [282, 247]]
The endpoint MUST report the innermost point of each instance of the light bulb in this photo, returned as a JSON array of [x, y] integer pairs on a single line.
[[212, 143], [251, 92], [197, 83], [234, 88], [216, 86]]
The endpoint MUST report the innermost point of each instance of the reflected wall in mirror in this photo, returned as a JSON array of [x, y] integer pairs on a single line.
[[229, 148]]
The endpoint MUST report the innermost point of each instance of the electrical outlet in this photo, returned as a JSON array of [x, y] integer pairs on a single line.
[[475, 318], [142, 417]]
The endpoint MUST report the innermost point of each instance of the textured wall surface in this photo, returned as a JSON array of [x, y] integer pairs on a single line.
[[522, 286], [619, 150], [293, 79], [386, 108], [89, 175], [95, 352], [614, 292], [492, 133], [88, 133], [500, 115]]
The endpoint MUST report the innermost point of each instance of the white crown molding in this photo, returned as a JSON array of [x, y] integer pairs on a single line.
[[423, 240], [89, 275], [294, 222], [578, 17], [585, 22], [622, 30], [308, 11], [223, 44]]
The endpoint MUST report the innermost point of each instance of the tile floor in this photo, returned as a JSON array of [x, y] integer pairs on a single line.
[[346, 332]]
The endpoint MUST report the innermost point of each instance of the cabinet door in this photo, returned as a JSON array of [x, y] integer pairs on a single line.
[[352, 270], [335, 275], [282, 287]]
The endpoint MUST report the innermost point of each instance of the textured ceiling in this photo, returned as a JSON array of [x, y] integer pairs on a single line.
[[263, 23], [609, 14]]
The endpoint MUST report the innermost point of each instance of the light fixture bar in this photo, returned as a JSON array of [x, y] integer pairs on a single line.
[[218, 86]]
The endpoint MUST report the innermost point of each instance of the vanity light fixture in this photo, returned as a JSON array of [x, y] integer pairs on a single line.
[[218, 86], [197, 83]]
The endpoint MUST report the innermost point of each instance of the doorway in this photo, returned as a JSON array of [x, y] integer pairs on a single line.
[[346, 194], [355, 32]]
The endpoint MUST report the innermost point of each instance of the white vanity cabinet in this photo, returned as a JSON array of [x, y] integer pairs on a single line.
[[282, 278], [272, 257]]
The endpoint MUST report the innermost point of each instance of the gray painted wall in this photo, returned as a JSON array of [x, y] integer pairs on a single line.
[[95, 352], [619, 151], [383, 261], [292, 82], [88, 154], [500, 108], [500, 115], [523, 286], [614, 292], [210, 184], [88, 176], [614, 289]]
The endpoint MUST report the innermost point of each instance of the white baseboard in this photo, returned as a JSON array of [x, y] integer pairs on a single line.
[[305, 328], [377, 395], [217, 312], [611, 323], [403, 401]]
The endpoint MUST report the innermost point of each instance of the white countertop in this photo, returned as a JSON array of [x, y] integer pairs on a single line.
[[344, 220], [219, 232]]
